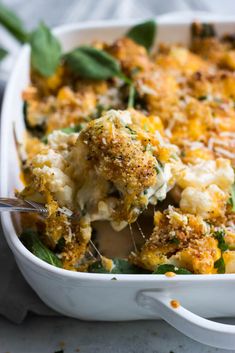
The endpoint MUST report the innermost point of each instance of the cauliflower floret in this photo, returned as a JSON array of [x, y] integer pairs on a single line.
[[58, 183], [60, 141], [207, 203], [109, 152], [205, 173], [50, 158], [124, 158], [200, 256], [173, 231]]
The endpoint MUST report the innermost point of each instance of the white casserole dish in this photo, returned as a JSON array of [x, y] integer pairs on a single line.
[[97, 296]]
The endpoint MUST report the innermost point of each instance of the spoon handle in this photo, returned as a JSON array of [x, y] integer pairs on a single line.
[[18, 205]]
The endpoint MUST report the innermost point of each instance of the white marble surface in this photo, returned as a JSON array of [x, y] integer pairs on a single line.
[[48, 335], [44, 334]]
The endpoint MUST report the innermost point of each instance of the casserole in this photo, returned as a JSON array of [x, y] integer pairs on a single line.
[[103, 296]]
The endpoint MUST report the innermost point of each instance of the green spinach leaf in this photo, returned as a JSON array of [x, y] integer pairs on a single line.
[[92, 63], [161, 269], [219, 235], [220, 265], [120, 266], [31, 241], [45, 51], [13, 24], [143, 33]]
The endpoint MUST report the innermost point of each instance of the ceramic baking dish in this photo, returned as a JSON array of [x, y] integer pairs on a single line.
[[98, 296]]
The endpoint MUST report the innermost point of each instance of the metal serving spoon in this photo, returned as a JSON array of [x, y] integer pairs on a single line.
[[18, 205]]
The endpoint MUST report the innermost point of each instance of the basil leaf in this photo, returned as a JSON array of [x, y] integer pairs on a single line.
[[143, 33], [92, 63], [120, 266], [219, 235], [45, 51], [220, 265], [3, 53], [32, 242], [13, 24], [161, 269]]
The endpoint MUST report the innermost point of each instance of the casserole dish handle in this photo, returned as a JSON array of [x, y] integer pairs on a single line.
[[196, 327]]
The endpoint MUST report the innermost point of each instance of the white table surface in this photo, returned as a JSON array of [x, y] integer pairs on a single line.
[[48, 334]]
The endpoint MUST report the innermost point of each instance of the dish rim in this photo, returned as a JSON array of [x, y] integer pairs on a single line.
[[7, 223]]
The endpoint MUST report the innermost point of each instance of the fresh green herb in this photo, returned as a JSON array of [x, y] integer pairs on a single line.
[[208, 30], [232, 198], [92, 63], [120, 266], [36, 130], [203, 30], [60, 245], [131, 99], [202, 98], [219, 235], [220, 265], [3, 53], [133, 132], [72, 129], [148, 148], [32, 242], [13, 24], [159, 167], [143, 33], [135, 71], [161, 269], [174, 240], [25, 107], [45, 50]]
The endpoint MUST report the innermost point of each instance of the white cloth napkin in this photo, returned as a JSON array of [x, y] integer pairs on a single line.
[[16, 296]]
